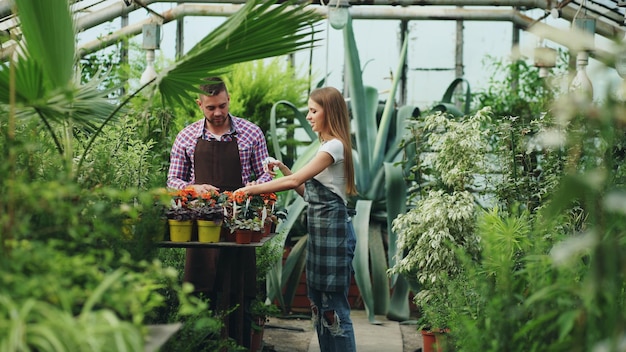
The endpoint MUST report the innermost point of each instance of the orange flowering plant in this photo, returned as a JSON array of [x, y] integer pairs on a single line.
[[181, 204], [248, 211], [209, 206]]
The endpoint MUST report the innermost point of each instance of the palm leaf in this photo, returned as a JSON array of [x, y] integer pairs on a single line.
[[259, 30], [87, 105], [29, 80], [48, 30]]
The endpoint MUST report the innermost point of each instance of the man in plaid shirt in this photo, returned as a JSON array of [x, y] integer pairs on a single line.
[[219, 153], [218, 126]]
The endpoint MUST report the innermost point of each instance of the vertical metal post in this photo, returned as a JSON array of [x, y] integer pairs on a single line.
[[124, 53], [514, 43], [404, 29], [458, 64], [180, 37]]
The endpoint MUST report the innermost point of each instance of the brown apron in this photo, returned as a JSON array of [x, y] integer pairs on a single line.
[[216, 163]]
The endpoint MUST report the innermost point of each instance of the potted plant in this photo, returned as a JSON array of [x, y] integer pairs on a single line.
[[209, 214], [267, 257], [260, 312], [243, 215], [439, 228], [180, 214], [245, 228]]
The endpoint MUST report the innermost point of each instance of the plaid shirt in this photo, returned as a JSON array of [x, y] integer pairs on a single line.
[[332, 241], [252, 152]]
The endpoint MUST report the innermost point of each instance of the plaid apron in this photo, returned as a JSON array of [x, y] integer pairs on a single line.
[[330, 251]]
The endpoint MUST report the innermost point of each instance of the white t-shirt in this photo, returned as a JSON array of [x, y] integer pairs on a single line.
[[334, 176]]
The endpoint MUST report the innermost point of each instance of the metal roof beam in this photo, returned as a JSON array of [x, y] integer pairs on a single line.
[[357, 12]]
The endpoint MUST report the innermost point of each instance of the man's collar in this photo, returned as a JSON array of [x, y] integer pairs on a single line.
[[232, 131]]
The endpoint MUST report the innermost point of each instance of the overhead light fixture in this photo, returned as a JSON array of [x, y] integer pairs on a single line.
[[151, 40], [150, 73], [545, 59], [338, 13], [581, 85]]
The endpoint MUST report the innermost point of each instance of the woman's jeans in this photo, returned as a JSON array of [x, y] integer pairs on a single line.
[[331, 318]]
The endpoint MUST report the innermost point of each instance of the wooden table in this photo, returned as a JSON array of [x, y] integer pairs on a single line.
[[231, 259]]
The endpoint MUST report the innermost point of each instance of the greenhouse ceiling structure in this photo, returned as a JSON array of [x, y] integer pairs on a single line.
[[584, 21], [607, 15]]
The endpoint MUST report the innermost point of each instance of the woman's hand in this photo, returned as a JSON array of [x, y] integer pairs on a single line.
[[242, 190], [271, 166], [278, 165]]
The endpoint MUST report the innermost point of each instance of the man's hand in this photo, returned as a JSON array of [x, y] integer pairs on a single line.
[[204, 188]]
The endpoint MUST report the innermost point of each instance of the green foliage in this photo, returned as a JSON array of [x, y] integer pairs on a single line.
[[35, 325], [530, 169], [522, 104], [121, 157], [269, 255], [515, 88], [450, 154], [256, 32], [200, 333], [92, 67], [36, 156], [255, 86], [550, 275], [430, 234], [77, 268]]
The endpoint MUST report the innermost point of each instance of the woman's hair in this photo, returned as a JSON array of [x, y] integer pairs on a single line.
[[338, 122]]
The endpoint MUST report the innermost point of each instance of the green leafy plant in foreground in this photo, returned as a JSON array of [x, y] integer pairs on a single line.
[[551, 277], [85, 273]]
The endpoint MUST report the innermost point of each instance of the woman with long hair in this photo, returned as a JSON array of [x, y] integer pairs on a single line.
[[326, 182]]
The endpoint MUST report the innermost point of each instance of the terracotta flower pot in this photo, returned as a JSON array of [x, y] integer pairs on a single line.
[[256, 340], [257, 236], [243, 236], [434, 340], [428, 339]]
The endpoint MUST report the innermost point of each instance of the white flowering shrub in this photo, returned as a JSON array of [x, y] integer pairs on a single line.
[[430, 233]]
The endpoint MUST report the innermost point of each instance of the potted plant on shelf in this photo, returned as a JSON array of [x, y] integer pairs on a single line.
[[243, 216], [269, 214], [245, 229], [180, 214], [209, 214]]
